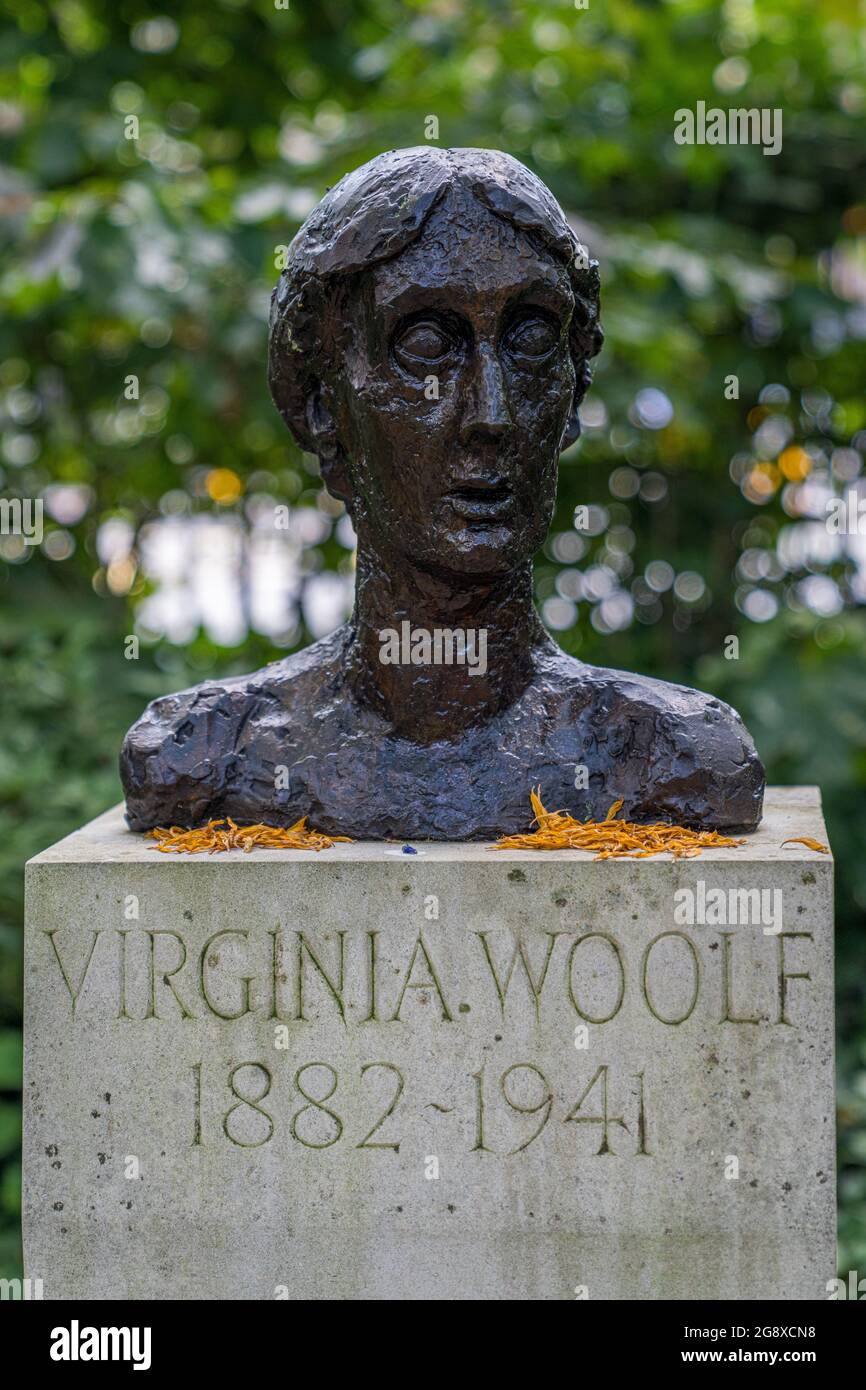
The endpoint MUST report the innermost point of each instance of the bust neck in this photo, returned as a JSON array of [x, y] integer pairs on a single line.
[[432, 659]]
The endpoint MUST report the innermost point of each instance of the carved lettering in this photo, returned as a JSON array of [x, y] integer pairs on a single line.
[[364, 977], [335, 990], [617, 955], [74, 991], [536, 986], [167, 975], [786, 975], [210, 959], [727, 986], [432, 983], [696, 969]]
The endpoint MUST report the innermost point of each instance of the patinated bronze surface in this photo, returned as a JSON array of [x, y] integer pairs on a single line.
[[431, 341]]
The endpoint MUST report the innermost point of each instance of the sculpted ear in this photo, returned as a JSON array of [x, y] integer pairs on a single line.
[[586, 344], [583, 376], [314, 430], [586, 338], [294, 378], [572, 424], [300, 402], [321, 429]]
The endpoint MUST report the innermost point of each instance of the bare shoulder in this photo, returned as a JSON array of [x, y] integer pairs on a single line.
[[188, 754], [671, 752]]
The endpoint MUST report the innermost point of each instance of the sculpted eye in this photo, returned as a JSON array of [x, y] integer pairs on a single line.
[[422, 342], [532, 338]]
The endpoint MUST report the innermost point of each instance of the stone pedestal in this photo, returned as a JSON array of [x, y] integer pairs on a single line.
[[460, 1074]]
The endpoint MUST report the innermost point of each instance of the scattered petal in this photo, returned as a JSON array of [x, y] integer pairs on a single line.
[[808, 842], [614, 839], [211, 838]]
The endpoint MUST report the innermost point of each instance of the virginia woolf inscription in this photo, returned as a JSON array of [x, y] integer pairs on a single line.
[[364, 977]]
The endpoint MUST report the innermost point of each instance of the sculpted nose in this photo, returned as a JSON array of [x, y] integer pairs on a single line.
[[486, 410]]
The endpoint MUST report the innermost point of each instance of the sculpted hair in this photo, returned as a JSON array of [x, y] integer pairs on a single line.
[[369, 217]]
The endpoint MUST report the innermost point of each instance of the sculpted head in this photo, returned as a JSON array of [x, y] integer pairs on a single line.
[[430, 341]]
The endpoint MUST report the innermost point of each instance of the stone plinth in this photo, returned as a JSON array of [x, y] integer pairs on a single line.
[[460, 1074]]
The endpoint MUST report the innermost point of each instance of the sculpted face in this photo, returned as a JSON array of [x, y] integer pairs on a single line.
[[454, 392]]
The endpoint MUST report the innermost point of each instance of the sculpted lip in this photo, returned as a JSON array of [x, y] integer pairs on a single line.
[[481, 500]]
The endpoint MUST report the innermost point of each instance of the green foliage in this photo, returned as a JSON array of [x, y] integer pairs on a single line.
[[153, 257]]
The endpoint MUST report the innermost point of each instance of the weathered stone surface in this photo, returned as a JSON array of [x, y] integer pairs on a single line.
[[283, 1115]]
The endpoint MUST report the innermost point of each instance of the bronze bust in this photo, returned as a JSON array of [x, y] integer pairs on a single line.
[[430, 341]]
